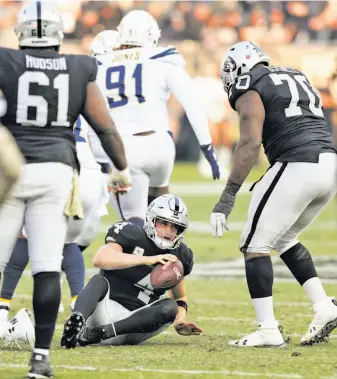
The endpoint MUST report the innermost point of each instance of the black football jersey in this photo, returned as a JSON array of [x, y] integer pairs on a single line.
[[45, 93], [295, 129], [131, 287]]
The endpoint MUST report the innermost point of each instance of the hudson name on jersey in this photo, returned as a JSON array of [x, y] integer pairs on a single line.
[[131, 287], [45, 92], [295, 129]]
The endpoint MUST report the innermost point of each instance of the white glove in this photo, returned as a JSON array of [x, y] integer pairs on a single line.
[[120, 181], [219, 224]]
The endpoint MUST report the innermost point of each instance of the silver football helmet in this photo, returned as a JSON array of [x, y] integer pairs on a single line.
[[104, 43], [168, 208], [39, 24], [240, 59], [138, 28]]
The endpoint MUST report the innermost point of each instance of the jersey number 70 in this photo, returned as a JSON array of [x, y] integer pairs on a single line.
[[293, 109]]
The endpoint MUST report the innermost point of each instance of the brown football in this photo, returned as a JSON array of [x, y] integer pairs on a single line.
[[168, 276]]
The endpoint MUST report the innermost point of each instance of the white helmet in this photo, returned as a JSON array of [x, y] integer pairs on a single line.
[[39, 24], [168, 208], [104, 43], [138, 28], [240, 59]]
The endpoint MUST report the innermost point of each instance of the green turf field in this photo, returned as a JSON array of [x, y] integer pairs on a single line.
[[221, 305]]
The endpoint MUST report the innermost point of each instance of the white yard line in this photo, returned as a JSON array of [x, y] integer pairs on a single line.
[[223, 372], [239, 302], [204, 227], [204, 189], [227, 319]]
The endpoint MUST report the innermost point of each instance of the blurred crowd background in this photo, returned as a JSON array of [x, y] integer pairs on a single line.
[[301, 34]]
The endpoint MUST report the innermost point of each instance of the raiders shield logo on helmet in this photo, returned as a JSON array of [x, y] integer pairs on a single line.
[[229, 65]]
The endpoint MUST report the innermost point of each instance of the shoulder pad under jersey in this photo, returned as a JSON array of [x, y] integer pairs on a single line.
[[246, 82], [168, 54]]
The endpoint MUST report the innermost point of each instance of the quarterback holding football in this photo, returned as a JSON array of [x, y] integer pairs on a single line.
[[123, 303]]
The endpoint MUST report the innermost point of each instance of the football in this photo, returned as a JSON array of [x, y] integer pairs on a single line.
[[168, 276]]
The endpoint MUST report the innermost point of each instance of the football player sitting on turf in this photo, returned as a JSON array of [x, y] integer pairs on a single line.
[[120, 306]]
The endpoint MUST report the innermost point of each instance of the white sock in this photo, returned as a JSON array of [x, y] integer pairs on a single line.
[[314, 289], [264, 309], [41, 351]]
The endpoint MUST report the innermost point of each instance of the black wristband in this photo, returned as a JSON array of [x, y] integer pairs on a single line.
[[182, 303], [232, 188]]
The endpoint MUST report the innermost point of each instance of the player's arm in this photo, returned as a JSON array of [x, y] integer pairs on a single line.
[[181, 85], [181, 325], [252, 115], [97, 115], [112, 257]]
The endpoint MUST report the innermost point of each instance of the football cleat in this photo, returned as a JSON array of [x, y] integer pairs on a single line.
[[40, 367], [91, 336], [72, 329], [20, 328], [268, 334], [324, 322]]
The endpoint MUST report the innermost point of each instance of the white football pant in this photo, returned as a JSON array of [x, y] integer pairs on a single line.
[[38, 202]]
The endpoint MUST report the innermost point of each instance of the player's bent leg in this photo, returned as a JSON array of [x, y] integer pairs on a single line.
[[144, 322], [11, 221], [299, 261], [134, 338], [11, 161], [46, 226], [90, 307], [12, 275], [259, 275], [73, 266]]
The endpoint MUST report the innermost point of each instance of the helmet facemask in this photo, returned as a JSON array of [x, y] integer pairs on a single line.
[[240, 59], [165, 210]]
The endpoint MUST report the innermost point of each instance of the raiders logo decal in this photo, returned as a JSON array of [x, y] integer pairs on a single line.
[[229, 65]]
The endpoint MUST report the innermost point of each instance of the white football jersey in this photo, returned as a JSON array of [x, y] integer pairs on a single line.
[[137, 84], [84, 153]]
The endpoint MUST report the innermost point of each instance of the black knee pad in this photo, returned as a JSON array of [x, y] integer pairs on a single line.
[[168, 310], [299, 262], [100, 284], [260, 276]]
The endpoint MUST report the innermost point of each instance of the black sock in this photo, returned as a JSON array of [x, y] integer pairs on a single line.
[[260, 276], [73, 266], [92, 293], [14, 269], [299, 262], [82, 247], [46, 301], [146, 320]]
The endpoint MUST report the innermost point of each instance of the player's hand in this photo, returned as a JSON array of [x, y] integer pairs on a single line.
[[219, 224], [188, 328], [209, 154], [120, 181], [164, 259]]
